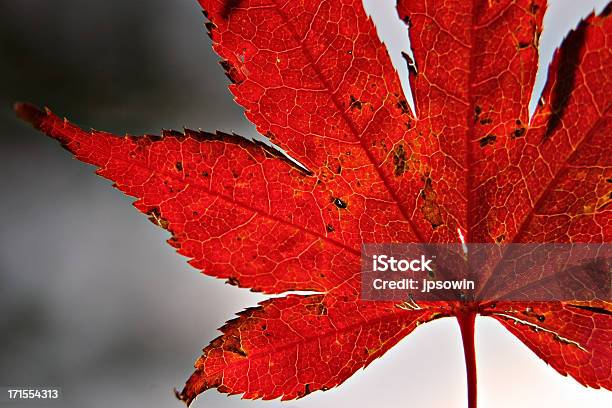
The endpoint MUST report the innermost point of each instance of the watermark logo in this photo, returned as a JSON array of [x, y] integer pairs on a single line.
[[478, 272], [383, 263]]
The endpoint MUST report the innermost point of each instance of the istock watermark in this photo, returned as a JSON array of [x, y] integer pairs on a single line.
[[520, 272], [383, 263]]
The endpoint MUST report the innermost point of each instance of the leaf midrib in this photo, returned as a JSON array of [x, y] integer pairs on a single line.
[[348, 121]]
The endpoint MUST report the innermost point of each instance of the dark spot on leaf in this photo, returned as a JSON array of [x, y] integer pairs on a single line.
[[541, 318], [179, 166], [399, 160], [487, 140], [477, 112], [533, 8], [355, 103], [232, 281], [307, 389], [228, 8], [430, 208], [403, 105], [322, 310], [233, 345], [330, 228], [319, 309], [407, 21], [518, 132], [339, 169], [170, 188], [412, 68], [338, 202], [209, 27], [500, 238], [156, 218], [485, 121], [205, 174], [523, 44], [231, 72]]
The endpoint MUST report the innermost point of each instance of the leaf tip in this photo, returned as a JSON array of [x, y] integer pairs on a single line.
[[29, 113], [182, 396]]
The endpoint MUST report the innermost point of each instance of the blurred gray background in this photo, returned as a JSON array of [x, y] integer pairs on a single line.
[[93, 300]]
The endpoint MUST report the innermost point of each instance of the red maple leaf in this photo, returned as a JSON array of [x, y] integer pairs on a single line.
[[315, 79]]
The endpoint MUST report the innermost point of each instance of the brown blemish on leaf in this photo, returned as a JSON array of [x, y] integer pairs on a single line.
[[232, 281], [518, 132], [399, 160], [477, 112], [412, 68], [232, 344], [487, 140], [355, 103], [232, 73], [228, 7], [319, 309], [338, 202], [523, 44], [430, 208], [156, 218], [403, 105], [224, 389]]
